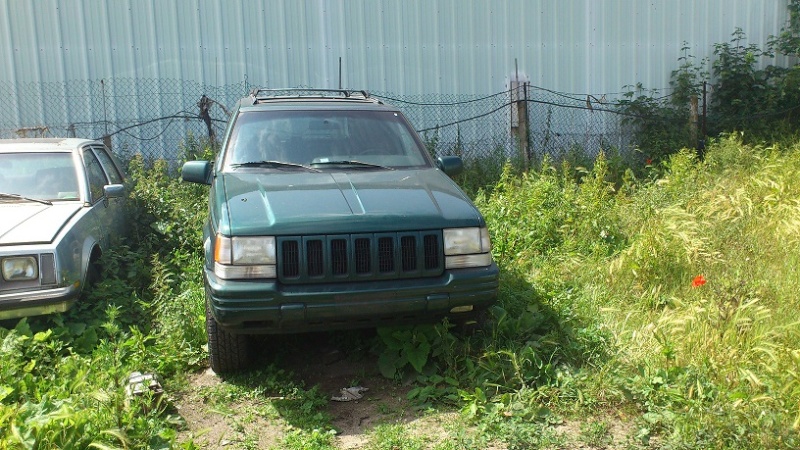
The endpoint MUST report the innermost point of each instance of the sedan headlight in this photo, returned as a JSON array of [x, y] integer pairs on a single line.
[[245, 257], [20, 268], [467, 247]]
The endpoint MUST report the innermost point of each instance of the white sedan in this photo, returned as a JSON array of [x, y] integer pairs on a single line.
[[62, 205]]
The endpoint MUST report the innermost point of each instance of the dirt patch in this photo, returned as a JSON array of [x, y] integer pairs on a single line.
[[329, 361], [332, 362], [209, 426]]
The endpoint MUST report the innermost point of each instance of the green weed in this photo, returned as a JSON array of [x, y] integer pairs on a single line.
[[390, 437]]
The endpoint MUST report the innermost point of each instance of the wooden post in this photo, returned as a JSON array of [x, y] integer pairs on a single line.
[[522, 129], [693, 121], [519, 115]]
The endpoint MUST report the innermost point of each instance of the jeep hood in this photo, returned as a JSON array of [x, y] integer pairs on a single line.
[[280, 203], [34, 223]]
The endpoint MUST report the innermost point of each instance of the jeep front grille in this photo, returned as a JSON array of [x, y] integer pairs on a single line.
[[360, 257]]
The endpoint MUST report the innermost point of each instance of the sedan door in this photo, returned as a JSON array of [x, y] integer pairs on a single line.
[[117, 205], [107, 212]]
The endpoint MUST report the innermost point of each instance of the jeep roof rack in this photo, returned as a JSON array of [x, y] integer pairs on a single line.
[[260, 95]]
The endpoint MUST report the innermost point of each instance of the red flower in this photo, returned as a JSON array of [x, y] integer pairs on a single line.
[[649, 161], [698, 281]]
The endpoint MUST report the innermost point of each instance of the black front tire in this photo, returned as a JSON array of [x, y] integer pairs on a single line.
[[228, 352]]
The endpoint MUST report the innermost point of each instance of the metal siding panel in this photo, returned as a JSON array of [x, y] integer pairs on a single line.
[[445, 47], [95, 35], [411, 46]]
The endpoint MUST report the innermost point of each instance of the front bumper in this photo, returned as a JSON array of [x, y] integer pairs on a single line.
[[37, 302], [259, 307]]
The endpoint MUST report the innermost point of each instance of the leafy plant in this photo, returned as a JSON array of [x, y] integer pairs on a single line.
[[427, 349]]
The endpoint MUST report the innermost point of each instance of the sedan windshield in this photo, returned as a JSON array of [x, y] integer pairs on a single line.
[[38, 176], [354, 139]]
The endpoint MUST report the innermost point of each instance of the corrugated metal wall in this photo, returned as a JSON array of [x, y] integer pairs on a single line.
[[409, 46], [97, 67]]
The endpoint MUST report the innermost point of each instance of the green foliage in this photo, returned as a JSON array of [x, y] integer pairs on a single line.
[[405, 346], [314, 440], [431, 354], [543, 212], [663, 124], [63, 377], [749, 95], [586, 322], [482, 173], [596, 433], [55, 397], [740, 89], [598, 320], [390, 437]]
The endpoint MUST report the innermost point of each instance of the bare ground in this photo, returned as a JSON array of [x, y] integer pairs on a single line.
[[316, 360], [313, 361]]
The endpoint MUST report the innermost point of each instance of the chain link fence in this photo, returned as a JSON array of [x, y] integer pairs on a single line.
[[153, 117], [558, 125], [145, 116]]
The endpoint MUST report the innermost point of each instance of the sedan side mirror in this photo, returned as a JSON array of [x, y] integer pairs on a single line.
[[114, 190]]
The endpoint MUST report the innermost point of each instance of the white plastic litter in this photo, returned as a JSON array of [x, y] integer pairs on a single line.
[[350, 394], [141, 383]]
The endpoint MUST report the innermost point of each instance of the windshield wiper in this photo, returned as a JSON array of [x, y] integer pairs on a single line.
[[351, 163], [274, 165], [20, 197]]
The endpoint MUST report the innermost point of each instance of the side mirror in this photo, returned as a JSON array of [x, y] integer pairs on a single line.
[[197, 172], [451, 165], [113, 190]]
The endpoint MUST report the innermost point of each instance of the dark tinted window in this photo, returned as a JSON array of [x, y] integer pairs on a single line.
[[108, 164], [97, 178]]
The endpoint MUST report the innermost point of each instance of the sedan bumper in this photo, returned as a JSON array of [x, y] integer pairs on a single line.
[[37, 302], [259, 307]]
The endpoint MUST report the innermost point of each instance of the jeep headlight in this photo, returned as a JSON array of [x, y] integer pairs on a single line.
[[20, 268], [244, 257], [467, 247]]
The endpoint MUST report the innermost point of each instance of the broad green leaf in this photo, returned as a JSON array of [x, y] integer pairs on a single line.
[[387, 363], [417, 355]]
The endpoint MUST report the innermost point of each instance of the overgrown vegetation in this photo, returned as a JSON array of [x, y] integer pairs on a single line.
[[63, 377], [747, 89], [653, 306], [662, 306], [697, 364]]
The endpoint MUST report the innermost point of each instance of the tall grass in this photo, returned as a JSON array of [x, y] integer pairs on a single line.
[[703, 365], [602, 316], [63, 377]]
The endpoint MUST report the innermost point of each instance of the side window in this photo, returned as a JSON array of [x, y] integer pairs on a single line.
[[97, 178], [108, 164]]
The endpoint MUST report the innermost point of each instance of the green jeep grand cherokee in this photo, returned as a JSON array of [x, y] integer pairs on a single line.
[[326, 212]]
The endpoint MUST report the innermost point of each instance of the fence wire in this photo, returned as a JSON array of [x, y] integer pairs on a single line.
[[145, 116], [152, 117]]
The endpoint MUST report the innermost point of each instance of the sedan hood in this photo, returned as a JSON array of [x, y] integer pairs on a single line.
[[34, 223], [343, 202]]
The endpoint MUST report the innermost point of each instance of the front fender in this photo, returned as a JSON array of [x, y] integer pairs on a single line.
[[90, 245]]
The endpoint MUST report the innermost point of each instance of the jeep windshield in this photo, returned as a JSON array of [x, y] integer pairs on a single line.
[[326, 139]]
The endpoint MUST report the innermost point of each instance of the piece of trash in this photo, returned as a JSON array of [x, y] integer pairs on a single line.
[[350, 394], [140, 383]]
